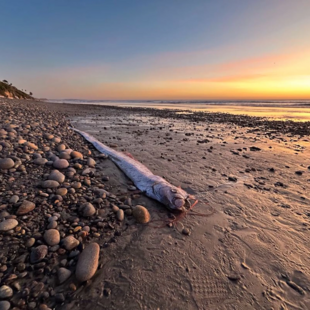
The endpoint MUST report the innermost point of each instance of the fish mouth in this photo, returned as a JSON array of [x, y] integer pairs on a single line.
[[186, 206]]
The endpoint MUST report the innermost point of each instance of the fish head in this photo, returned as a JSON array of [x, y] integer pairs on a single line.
[[178, 199]]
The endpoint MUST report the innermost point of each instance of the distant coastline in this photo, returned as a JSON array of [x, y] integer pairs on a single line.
[[261, 103]]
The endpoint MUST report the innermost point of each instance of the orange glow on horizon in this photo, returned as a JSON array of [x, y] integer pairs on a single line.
[[274, 77]]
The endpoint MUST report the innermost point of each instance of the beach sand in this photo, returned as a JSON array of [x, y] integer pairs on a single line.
[[248, 248], [251, 252]]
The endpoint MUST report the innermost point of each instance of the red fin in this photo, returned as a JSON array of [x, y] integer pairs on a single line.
[[129, 155]]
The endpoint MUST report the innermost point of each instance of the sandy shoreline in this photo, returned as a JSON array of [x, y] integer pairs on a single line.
[[251, 176]]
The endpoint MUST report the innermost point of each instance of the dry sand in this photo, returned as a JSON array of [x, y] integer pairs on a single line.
[[251, 252]]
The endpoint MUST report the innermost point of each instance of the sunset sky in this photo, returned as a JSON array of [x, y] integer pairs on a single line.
[[171, 49]]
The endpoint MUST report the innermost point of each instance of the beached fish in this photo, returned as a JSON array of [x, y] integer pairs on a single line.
[[152, 185]]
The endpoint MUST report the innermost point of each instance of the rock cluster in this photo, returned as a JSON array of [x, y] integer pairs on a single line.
[[56, 211]]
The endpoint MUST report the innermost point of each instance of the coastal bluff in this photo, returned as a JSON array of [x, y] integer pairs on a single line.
[[11, 92]]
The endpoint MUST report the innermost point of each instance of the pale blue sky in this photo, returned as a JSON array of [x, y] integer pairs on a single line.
[[81, 48]]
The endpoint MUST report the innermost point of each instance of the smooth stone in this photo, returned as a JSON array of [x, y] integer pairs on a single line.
[[120, 215], [30, 242], [76, 155], [88, 171], [76, 185], [52, 237], [69, 243], [40, 161], [25, 207], [50, 184], [8, 224], [57, 139], [59, 298], [48, 136], [64, 155], [87, 209], [91, 162], [14, 199], [61, 163], [78, 166], [57, 176], [36, 155], [38, 253], [141, 214], [52, 225], [63, 274], [186, 231], [5, 292], [4, 305], [4, 214], [6, 163], [31, 145], [87, 262], [62, 191], [61, 147]]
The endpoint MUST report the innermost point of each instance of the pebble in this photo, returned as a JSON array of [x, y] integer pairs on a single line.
[[61, 163], [25, 207], [5, 292], [76, 155], [120, 215], [78, 166], [115, 208], [30, 242], [186, 231], [69, 243], [31, 145], [40, 161], [4, 214], [141, 214], [14, 199], [8, 224], [57, 176], [105, 178], [87, 262], [6, 163], [61, 147], [88, 171], [4, 305], [63, 274], [52, 237], [91, 162], [76, 185], [87, 209], [50, 184], [38, 253], [52, 224], [48, 136], [59, 298], [62, 191], [64, 155]]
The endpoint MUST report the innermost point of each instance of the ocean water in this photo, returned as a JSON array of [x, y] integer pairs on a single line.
[[294, 110]]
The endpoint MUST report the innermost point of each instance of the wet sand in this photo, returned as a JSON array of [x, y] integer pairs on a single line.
[[249, 251]]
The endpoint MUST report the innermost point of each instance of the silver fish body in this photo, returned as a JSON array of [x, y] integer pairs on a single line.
[[152, 185]]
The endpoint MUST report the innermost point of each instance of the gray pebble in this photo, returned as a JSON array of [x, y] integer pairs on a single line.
[[5, 292]]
